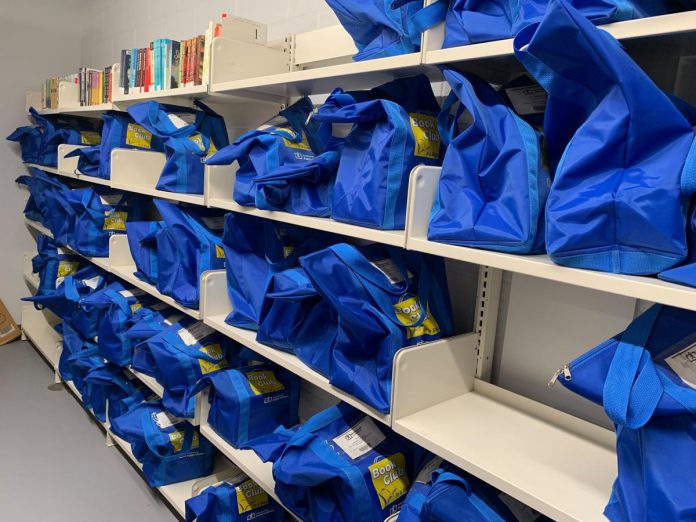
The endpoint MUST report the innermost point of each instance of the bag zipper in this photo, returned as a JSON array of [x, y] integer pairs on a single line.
[[565, 371]]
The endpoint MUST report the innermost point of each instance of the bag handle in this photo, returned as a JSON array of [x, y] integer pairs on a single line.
[[120, 301], [424, 18], [633, 387], [152, 433], [688, 176], [342, 107]]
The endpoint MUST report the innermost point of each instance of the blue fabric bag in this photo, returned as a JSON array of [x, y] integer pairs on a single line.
[[93, 395], [618, 206], [385, 299], [142, 241], [250, 402], [87, 160], [29, 138], [170, 449], [475, 21], [149, 325], [236, 500], [444, 493], [285, 140], [395, 129], [295, 318], [189, 244], [636, 377], [342, 466], [123, 391], [101, 214], [182, 355], [382, 28], [51, 265], [493, 187], [41, 188], [255, 248], [73, 343], [188, 136]]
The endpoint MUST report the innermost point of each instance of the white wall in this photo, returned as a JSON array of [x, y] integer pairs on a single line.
[[33, 49], [112, 25]]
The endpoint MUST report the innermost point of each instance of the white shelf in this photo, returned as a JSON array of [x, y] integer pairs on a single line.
[[670, 25], [191, 93], [349, 76], [421, 194], [37, 326], [30, 277], [45, 168], [148, 381]]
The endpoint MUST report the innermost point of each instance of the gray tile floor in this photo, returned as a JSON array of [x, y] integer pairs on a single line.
[[54, 464]]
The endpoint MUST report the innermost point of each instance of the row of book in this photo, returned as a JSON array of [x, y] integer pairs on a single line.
[[95, 86], [49, 91], [168, 64]]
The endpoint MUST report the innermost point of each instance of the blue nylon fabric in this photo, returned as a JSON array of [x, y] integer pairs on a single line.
[[41, 142], [179, 366], [239, 414], [654, 413], [295, 318], [685, 274], [188, 244], [87, 160], [186, 142], [151, 445], [383, 28], [380, 151], [123, 392], [317, 480], [618, 206], [365, 299], [47, 264], [142, 241], [493, 187], [475, 21], [219, 504], [94, 218], [255, 249], [288, 140], [140, 332]]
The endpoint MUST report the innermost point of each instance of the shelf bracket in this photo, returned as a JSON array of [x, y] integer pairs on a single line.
[[486, 318]]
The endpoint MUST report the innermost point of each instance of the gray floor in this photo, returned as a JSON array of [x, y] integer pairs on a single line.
[[54, 464]]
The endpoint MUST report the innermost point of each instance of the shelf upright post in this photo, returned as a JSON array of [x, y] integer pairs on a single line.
[[486, 318]]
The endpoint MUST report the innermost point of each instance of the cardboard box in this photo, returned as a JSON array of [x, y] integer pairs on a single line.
[[9, 331]]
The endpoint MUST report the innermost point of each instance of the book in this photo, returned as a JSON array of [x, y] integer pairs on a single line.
[[200, 54], [176, 60]]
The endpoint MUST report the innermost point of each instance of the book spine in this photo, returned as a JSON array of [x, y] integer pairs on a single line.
[[134, 62], [206, 53], [191, 61], [147, 69], [122, 73], [200, 55], [176, 60], [167, 65], [158, 64]]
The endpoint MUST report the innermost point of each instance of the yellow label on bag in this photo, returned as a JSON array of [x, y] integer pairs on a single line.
[[389, 479], [177, 440], [264, 382], [213, 350], [250, 496], [287, 250], [427, 136], [302, 145], [115, 220], [138, 136], [219, 252], [198, 140], [90, 138], [135, 307], [65, 268], [408, 312]]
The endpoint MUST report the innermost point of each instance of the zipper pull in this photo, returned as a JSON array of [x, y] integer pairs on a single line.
[[565, 371]]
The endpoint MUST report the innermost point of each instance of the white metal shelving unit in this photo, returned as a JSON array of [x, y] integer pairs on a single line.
[[559, 464]]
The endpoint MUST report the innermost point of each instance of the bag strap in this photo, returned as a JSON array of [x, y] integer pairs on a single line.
[[119, 300], [227, 505], [633, 387], [688, 176], [424, 18]]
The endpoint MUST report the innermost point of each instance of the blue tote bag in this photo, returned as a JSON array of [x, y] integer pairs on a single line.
[[644, 378], [475, 21], [188, 135], [286, 140], [87, 160], [250, 402], [238, 499], [142, 241], [402, 300], [149, 325], [123, 392], [29, 139], [182, 355], [52, 266], [295, 318], [394, 129], [189, 243], [493, 187], [382, 28], [99, 214], [342, 466], [169, 448], [43, 190], [623, 173], [255, 249]]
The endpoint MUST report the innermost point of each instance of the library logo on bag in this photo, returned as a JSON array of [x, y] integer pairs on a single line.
[[90, 138], [408, 311], [137, 136], [213, 350], [115, 220], [427, 136], [389, 479], [263, 382], [250, 496]]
